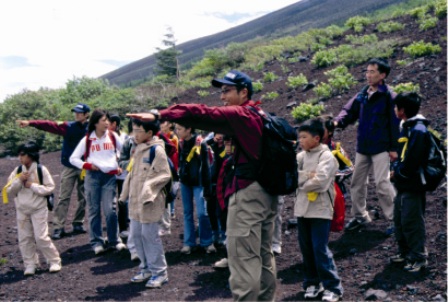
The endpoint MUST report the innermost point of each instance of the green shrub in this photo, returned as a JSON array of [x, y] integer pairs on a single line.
[[420, 49], [203, 93], [427, 23], [440, 9], [357, 23], [406, 87], [340, 79], [293, 60], [257, 86], [323, 91], [3, 261], [388, 27], [297, 81], [324, 58], [270, 77], [403, 62], [306, 111], [361, 40], [285, 68], [270, 96]]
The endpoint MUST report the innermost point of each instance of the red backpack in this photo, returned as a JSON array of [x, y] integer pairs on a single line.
[[337, 224]]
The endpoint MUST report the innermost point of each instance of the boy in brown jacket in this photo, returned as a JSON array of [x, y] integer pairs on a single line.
[[143, 188]]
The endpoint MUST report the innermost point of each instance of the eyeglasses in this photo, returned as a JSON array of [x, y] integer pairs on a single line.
[[225, 91]]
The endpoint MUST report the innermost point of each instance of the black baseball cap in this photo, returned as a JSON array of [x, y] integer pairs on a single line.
[[81, 108], [234, 78]]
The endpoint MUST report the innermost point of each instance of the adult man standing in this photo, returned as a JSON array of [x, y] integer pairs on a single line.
[[72, 132], [251, 210], [377, 142]]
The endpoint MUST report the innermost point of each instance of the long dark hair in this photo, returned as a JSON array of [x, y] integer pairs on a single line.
[[97, 114]]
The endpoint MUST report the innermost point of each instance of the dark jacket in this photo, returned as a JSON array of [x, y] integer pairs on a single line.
[[196, 172], [378, 126], [219, 155], [407, 167], [72, 132]]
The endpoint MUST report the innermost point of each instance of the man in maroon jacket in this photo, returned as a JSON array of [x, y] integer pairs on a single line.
[[252, 211]]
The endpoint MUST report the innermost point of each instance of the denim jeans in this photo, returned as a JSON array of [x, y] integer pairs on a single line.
[[317, 257], [100, 189], [205, 230], [149, 247]]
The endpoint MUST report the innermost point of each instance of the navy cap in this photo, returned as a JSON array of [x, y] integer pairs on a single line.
[[81, 108], [234, 78]]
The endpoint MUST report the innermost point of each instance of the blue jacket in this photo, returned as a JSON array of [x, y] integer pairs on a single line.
[[75, 132], [407, 169], [378, 127]]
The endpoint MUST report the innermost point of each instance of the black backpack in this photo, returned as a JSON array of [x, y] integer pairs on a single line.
[[50, 198], [277, 170], [434, 171], [168, 188]]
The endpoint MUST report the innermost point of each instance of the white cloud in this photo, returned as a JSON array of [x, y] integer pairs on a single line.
[[47, 42]]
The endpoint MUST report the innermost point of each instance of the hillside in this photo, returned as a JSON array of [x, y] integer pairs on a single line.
[[290, 20]]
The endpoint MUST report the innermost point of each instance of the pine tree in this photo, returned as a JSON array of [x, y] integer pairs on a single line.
[[166, 59]]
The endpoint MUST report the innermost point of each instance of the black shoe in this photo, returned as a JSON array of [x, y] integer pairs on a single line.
[[355, 224], [78, 229], [58, 234]]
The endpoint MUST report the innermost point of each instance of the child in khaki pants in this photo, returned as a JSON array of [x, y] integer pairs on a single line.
[[32, 212]]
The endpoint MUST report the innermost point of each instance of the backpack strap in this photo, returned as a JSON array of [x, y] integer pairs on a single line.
[[152, 154], [39, 174]]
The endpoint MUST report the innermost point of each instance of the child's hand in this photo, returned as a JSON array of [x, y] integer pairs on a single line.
[[311, 174], [95, 168], [24, 176], [28, 184]]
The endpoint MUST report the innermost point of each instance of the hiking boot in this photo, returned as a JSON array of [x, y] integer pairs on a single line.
[[223, 263], [330, 296], [78, 229], [356, 224], [210, 249], [157, 281], [29, 271], [277, 249], [58, 234], [141, 277], [416, 265], [398, 258], [186, 250], [124, 234], [313, 291], [55, 267], [99, 249]]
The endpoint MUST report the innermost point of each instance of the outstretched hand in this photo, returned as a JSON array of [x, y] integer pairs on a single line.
[[147, 117], [22, 123]]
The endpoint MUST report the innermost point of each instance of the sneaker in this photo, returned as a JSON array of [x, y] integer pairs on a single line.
[[313, 291], [134, 256], [58, 234], [141, 277], [415, 266], [78, 229], [55, 267], [390, 231], [99, 249], [210, 249], [356, 224], [398, 258], [277, 249], [186, 250], [157, 281], [223, 263], [120, 247], [29, 271], [164, 232], [330, 296]]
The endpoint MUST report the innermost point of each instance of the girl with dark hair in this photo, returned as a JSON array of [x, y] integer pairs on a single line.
[[97, 155], [32, 212]]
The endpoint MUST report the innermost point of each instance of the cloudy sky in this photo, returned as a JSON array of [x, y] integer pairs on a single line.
[[44, 43]]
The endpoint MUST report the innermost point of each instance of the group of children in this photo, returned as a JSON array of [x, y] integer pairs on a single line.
[[143, 189]]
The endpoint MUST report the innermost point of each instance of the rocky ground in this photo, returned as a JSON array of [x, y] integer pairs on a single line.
[[361, 257]]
